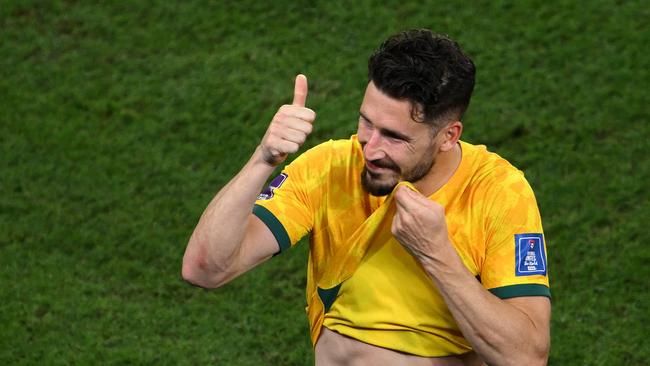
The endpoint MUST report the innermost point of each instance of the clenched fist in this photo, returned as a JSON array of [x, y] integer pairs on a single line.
[[419, 224], [290, 126]]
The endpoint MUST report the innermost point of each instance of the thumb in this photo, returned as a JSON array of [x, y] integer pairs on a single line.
[[300, 91], [407, 197], [402, 197]]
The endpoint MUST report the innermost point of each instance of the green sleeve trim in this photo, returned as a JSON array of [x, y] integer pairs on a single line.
[[526, 289], [274, 225]]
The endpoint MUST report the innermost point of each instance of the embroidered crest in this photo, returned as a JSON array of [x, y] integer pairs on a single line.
[[276, 183], [530, 257]]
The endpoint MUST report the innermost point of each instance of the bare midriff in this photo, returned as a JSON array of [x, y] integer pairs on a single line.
[[338, 350]]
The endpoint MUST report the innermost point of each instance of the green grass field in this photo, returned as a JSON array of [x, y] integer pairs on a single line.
[[119, 121]]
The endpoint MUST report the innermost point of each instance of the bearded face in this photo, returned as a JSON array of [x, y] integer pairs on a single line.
[[379, 177]]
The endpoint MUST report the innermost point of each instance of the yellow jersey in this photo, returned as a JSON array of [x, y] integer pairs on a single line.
[[362, 283]]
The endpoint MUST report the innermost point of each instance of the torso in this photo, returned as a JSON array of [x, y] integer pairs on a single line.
[[333, 349], [332, 207]]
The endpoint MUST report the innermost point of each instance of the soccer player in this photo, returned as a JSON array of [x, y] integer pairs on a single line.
[[424, 249]]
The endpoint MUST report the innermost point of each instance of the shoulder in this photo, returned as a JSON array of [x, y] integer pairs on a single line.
[[494, 179], [330, 154], [489, 168]]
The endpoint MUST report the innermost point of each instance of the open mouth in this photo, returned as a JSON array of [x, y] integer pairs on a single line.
[[373, 167], [379, 168]]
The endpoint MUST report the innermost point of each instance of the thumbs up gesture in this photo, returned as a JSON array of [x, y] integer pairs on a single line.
[[290, 126]]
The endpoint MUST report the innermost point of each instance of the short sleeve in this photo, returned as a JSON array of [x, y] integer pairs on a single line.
[[515, 262], [288, 204]]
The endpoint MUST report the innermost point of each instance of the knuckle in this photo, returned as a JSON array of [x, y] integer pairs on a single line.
[[301, 139], [278, 117], [397, 226], [293, 148], [439, 209], [406, 221], [273, 129]]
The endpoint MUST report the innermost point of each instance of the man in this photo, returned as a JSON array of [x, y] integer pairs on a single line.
[[424, 249]]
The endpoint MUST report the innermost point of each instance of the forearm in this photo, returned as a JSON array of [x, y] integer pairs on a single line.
[[499, 332], [213, 247], [228, 240]]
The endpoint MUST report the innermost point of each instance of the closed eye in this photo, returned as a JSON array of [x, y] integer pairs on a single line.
[[394, 135], [391, 134]]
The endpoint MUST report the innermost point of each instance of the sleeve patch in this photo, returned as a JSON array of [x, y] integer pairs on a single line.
[[276, 183], [530, 257]]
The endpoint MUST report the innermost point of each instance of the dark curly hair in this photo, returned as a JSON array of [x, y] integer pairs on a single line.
[[427, 69]]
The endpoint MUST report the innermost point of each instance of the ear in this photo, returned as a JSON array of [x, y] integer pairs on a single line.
[[450, 135]]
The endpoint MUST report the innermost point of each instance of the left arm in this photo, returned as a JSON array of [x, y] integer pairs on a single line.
[[502, 332]]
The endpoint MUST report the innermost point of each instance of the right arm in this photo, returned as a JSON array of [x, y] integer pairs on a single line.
[[228, 239]]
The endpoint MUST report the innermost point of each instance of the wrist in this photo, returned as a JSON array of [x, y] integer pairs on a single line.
[[259, 160], [445, 261]]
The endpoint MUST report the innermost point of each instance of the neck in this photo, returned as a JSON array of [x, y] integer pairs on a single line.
[[444, 168]]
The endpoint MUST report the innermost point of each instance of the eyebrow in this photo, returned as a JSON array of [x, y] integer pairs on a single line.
[[388, 132]]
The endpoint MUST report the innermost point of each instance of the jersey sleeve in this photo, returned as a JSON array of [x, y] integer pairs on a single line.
[[288, 206], [515, 258]]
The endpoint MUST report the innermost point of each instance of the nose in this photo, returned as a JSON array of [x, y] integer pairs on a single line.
[[373, 150]]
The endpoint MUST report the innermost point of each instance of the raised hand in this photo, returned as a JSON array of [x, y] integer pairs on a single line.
[[289, 127]]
